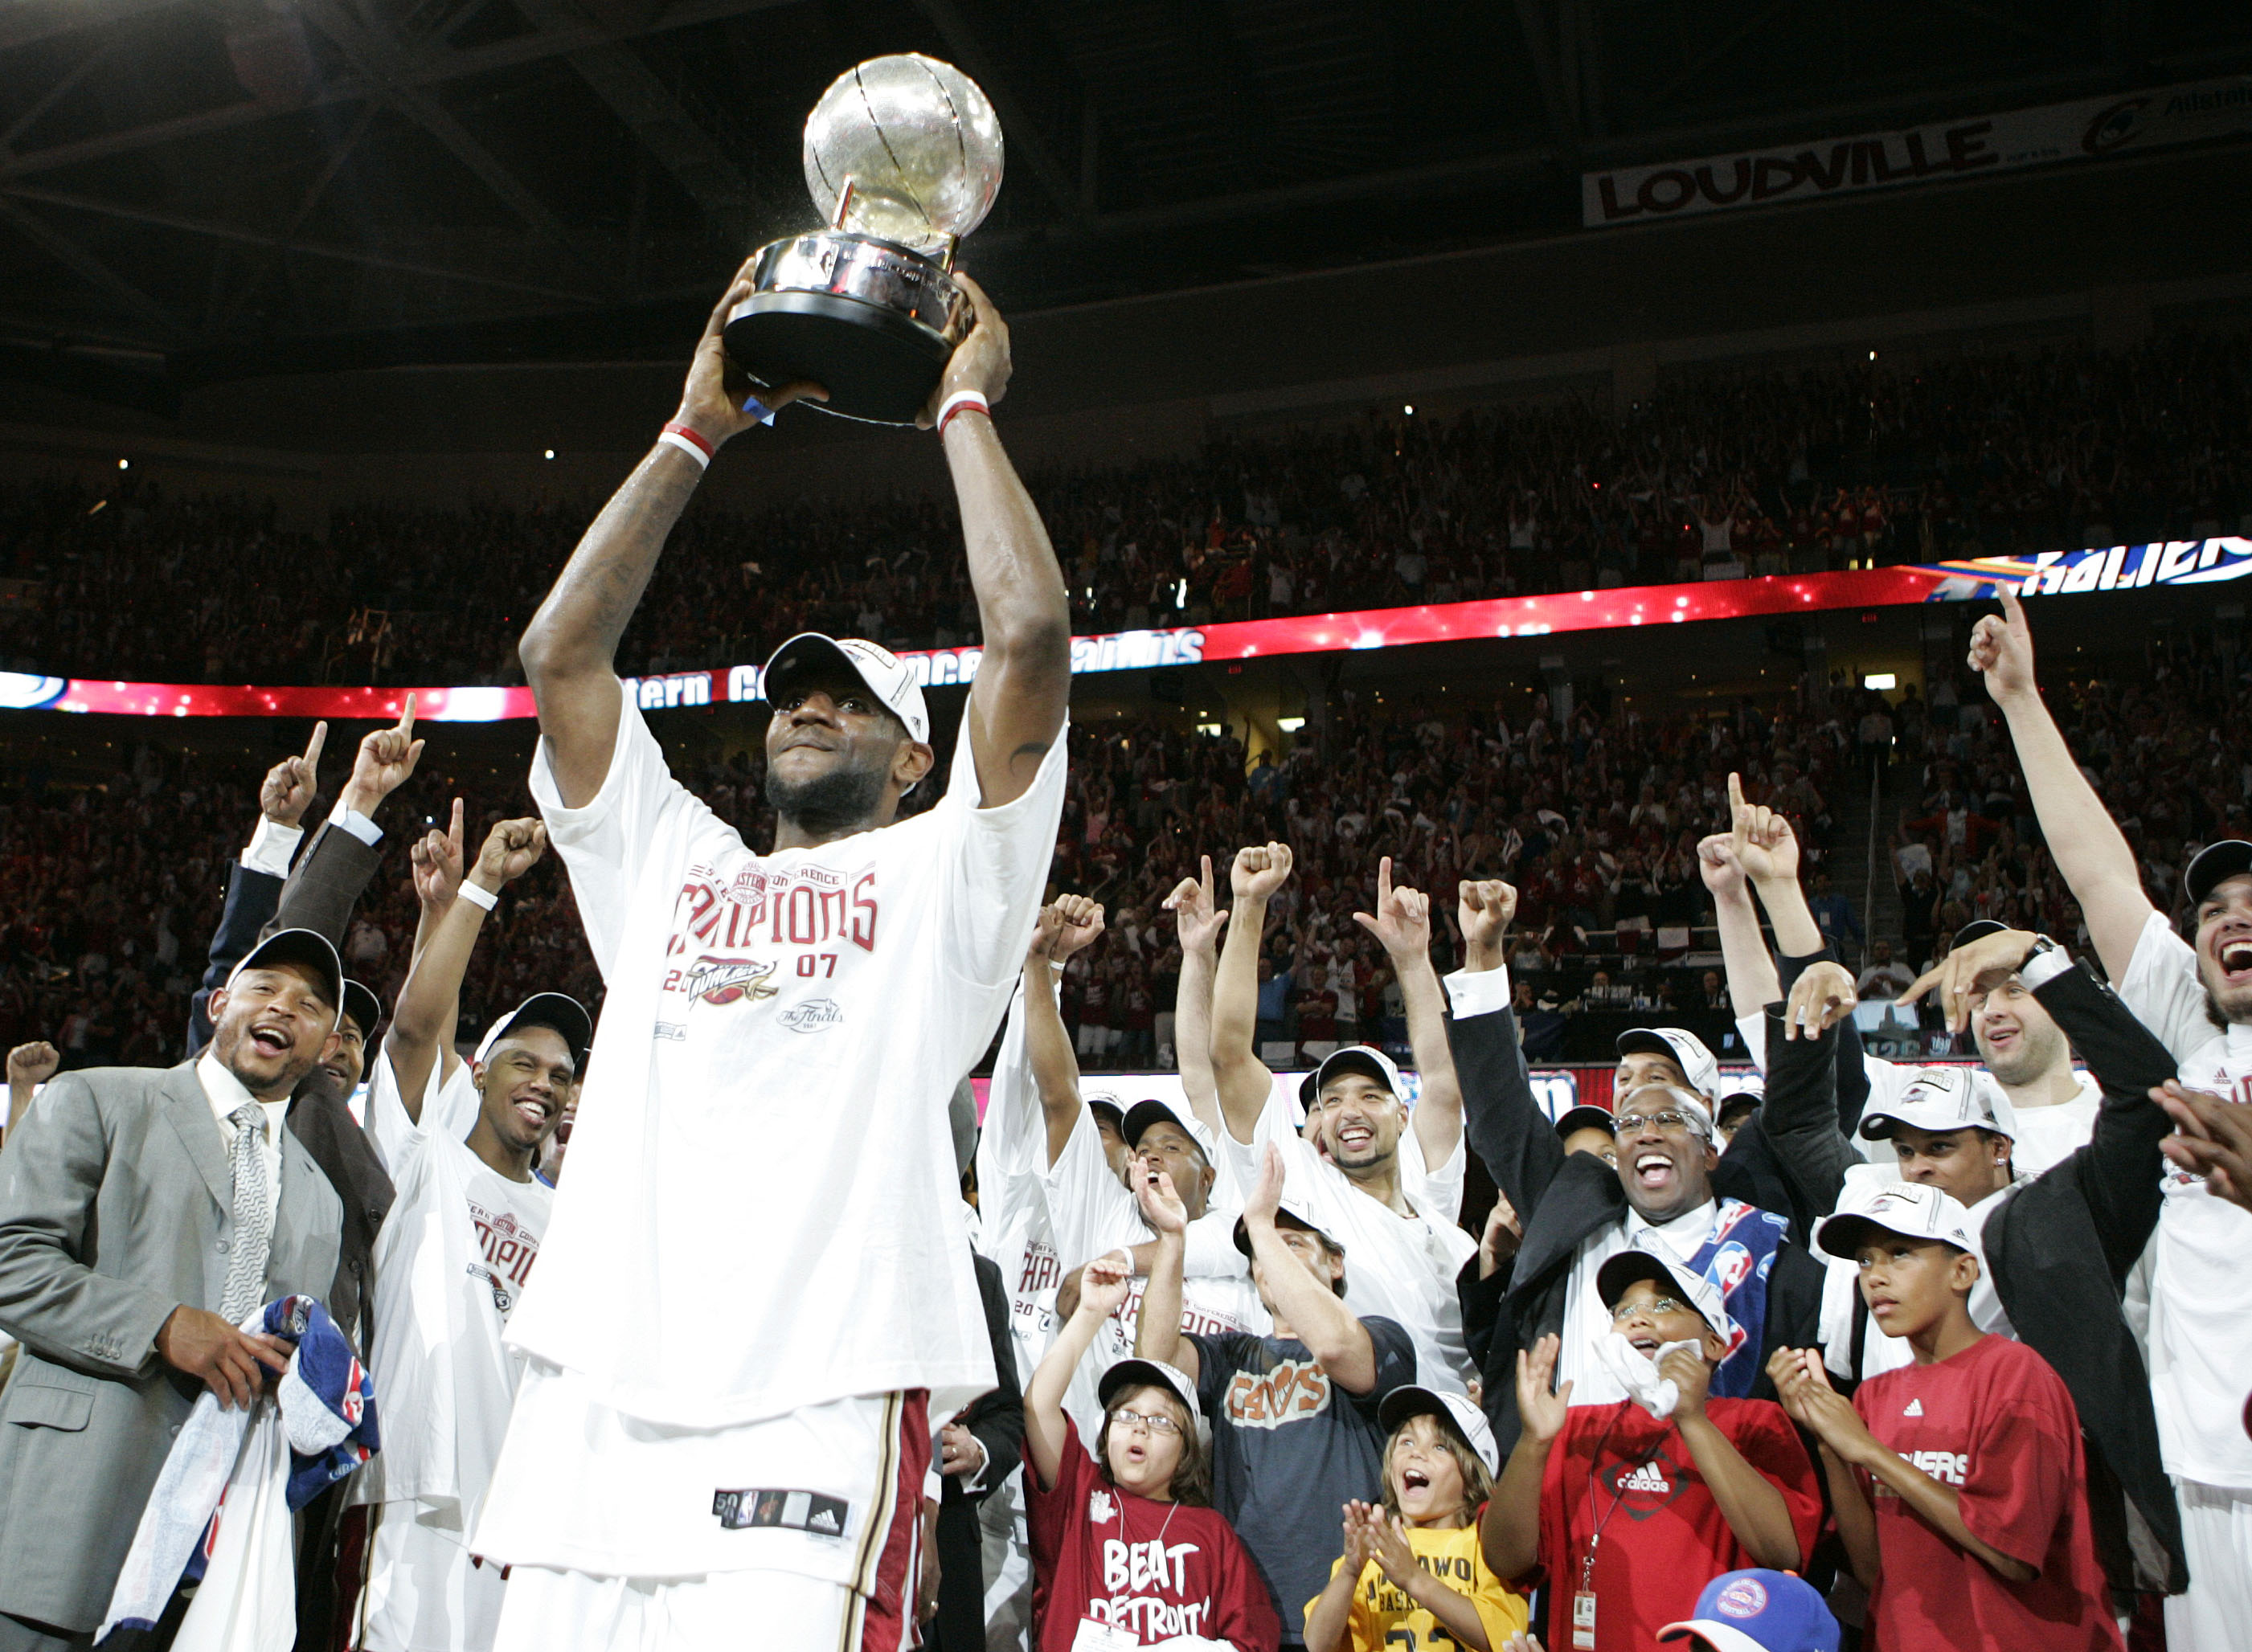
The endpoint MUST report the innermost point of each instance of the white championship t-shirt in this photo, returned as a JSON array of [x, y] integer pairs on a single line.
[[2201, 1331], [450, 1260], [762, 1215]]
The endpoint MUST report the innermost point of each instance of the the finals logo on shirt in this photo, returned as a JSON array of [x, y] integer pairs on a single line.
[[745, 933]]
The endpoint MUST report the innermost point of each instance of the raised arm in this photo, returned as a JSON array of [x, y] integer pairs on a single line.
[[1751, 1504], [1024, 613], [1752, 979], [335, 868], [1200, 923], [1317, 1315], [1766, 848], [30, 1066], [1508, 1130], [254, 883], [1242, 1079], [430, 998], [2087, 844], [1103, 1285], [569, 649], [1509, 1531], [1157, 1325], [1062, 930], [1403, 923]]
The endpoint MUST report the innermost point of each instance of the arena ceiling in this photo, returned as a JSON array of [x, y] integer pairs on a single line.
[[193, 190]]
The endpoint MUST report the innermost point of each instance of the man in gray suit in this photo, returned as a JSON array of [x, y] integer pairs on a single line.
[[146, 1213]]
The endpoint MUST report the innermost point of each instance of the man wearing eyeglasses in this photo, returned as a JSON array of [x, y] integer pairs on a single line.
[[1579, 1211]]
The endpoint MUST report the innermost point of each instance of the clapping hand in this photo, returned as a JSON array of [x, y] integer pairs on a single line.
[[1162, 1207], [1540, 1407]]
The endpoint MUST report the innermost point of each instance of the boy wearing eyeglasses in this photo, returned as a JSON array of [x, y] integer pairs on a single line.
[[1295, 1432], [1626, 1510]]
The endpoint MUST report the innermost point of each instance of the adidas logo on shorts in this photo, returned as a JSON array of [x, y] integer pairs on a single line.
[[1914, 1408]]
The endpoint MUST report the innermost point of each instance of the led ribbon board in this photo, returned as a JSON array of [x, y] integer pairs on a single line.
[[2096, 569]]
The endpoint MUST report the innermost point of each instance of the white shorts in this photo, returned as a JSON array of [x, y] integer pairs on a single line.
[[424, 1593], [830, 1492], [773, 1610], [2216, 1615]]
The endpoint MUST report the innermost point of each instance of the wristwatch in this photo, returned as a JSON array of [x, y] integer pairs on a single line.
[[2045, 961]]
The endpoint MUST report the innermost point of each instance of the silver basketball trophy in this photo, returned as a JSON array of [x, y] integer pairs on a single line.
[[903, 158]]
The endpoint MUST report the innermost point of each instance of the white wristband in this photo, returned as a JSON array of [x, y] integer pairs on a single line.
[[957, 402], [674, 439], [477, 895]]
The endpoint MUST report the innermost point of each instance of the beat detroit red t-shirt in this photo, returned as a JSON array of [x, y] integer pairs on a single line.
[[1664, 1538], [1997, 1425], [1157, 1570]]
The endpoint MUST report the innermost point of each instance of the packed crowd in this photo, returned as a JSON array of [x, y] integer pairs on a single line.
[[1764, 473], [1219, 1359]]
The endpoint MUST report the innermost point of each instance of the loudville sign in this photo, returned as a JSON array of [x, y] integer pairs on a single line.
[[2089, 129]]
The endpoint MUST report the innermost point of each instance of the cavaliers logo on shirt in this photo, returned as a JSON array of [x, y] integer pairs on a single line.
[[717, 981], [1292, 1390]]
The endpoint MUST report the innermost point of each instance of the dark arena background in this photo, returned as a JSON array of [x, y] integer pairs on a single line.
[[1469, 432]]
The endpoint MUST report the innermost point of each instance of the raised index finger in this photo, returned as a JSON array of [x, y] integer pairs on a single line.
[[1735, 791], [313, 746], [406, 718]]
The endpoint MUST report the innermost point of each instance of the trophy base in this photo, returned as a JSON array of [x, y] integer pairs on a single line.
[[878, 366]]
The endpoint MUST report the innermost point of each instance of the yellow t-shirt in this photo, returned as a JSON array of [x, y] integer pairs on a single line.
[[1383, 1618]]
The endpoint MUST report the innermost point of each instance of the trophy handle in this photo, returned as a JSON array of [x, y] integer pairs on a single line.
[[844, 201], [946, 257]]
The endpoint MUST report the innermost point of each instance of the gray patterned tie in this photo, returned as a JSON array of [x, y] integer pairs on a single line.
[[246, 1272]]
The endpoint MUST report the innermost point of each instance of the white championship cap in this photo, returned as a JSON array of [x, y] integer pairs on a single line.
[[890, 678], [1686, 1050], [1354, 1057], [1468, 1420], [1945, 1099], [1913, 1210]]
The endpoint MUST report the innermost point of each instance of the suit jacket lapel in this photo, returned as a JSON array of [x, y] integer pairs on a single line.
[[189, 1110], [298, 1175]]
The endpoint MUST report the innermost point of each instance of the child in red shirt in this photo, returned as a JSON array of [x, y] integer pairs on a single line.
[[1959, 1484], [1631, 1509], [1126, 1549]]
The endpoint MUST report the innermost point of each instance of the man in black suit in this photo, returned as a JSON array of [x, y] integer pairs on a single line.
[[977, 1451], [1577, 1209]]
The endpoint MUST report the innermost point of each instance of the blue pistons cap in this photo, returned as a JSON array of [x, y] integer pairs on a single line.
[[890, 678], [1759, 1611]]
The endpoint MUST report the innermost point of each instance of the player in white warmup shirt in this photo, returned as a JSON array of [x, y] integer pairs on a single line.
[[460, 1140], [2200, 1325], [753, 1304], [1401, 1245]]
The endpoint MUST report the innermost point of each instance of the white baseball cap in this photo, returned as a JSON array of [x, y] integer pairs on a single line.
[[1145, 1373], [1941, 1098], [1686, 1050], [1913, 1210], [1354, 1057], [890, 678], [1469, 1421]]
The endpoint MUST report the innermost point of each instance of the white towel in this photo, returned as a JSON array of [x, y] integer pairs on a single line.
[[1637, 1373]]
